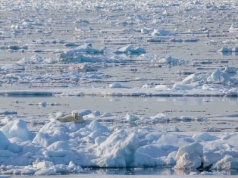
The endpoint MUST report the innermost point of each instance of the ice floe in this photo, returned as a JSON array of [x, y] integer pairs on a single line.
[[69, 147], [169, 60], [36, 59], [159, 32], [130, 49], [85, 53]]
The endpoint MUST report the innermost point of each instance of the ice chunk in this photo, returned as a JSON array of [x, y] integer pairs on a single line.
[[32, 60], [4, 141], [145, 160], [116, 85], [226, 163], [130, 49], [203, 137], [230, 69], [160, 117], [131, 118], [48, 171], [7, 119], [170, 60], [59, 146], [145, 30], [218, 77], [162, 32], [117, 150], [13, 67], [210, 158], [233, 28], [17, 129], [43, 164], [7, 154], [189, 161], [190, 156], [225, 50], [95, 126], [78, 54]]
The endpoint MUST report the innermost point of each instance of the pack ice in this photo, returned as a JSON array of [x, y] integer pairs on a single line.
[[69, 147]]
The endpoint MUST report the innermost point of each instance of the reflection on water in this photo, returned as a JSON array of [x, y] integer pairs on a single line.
[[155, 171], [131, 171], [148, 106], [183, 113]]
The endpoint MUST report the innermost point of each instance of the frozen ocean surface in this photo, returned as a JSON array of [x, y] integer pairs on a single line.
[[155, 83]]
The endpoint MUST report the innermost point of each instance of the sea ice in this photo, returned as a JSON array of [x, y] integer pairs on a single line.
[[63, 36], [17, 129], [130, 49], [67, 147]]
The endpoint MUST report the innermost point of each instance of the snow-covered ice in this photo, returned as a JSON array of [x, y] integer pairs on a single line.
[[69, 147], [57, 55]]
